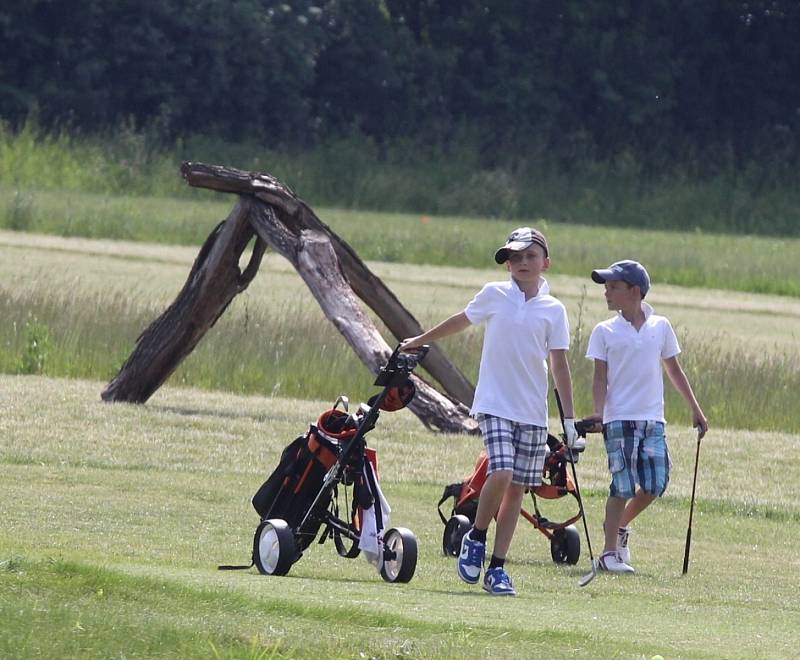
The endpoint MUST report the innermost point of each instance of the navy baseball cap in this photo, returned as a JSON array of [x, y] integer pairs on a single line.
[[628, 271], [519, 239]]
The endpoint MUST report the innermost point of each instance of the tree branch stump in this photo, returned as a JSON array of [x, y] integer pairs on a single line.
[[215, 279]]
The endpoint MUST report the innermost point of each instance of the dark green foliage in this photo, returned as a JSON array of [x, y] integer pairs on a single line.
[[581, 77], [578, 96]]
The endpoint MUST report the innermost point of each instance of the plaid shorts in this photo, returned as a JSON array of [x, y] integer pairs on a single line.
[[637, 454], [513, 446]]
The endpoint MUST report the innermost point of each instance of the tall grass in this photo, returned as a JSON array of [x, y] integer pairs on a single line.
[[249, 351], [254, 349], [356, 173]]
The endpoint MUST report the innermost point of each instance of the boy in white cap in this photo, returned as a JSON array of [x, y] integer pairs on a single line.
[[628, 390], [524, 326]]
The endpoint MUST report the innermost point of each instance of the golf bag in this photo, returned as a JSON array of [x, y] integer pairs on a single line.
[[302, 494], [292, 488], [565, 541]]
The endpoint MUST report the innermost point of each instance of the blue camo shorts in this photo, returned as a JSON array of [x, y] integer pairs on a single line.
[[637, 454], [513, 446]]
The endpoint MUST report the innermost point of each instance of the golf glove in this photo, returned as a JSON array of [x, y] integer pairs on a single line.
[[573, 440]]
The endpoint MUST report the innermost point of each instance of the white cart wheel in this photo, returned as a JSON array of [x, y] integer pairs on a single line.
[[400, 555], [274, 548]]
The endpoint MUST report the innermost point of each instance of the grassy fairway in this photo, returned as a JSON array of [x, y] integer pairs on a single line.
[[115, 517]]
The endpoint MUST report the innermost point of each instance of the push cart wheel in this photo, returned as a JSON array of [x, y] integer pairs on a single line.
[[274, 548], [400, 555], [454, 531], [565, 546]]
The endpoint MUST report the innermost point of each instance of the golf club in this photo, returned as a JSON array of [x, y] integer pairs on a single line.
[[691, 506], [586, 579]]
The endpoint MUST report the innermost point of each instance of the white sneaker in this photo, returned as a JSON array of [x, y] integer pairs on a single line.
[[610, 561], [623, 550]]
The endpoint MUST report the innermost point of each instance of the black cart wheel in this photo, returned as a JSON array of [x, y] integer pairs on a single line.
[[400, 555], [565, 546], [274, 548], [454, 531]]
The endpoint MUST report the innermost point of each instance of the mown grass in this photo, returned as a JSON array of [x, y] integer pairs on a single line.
[[92, 299], [115, 518], [693, 258]]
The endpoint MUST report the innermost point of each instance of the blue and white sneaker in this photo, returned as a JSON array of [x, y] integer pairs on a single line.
[[497, 583], [470, 559]]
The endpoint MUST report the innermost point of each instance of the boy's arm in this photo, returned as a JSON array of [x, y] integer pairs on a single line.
[[563, 380], [456, 323], [678, 379], [599, 388]]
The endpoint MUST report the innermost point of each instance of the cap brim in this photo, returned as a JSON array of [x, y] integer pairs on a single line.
[[501, 256], [601, 276]]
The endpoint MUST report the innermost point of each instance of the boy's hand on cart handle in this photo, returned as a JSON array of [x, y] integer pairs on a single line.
[[590, 424], [410, 343]]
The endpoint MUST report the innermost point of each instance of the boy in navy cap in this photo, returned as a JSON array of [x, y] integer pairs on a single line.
[[525, 326], [628, 392]]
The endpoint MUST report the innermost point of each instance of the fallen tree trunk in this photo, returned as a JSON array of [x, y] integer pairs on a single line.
[[272, 215], [297, 217], [215, 279], [313, 256]]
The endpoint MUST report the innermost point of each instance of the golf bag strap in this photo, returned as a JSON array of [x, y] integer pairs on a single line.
[[331, 532], [342, 549], [454, 491], [439, 511]]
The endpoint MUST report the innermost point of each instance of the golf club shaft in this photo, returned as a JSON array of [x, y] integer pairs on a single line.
[[575, 479], [691, 509]]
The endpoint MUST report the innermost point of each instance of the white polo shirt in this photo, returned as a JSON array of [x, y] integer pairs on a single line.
[[635, 379], [512, 381]]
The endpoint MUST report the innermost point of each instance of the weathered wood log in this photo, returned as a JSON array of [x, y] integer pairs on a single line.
[[214, 280], [270, 213], [297, 216], [313, 256]]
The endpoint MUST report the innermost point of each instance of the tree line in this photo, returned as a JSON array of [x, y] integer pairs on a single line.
[[576, 79]]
